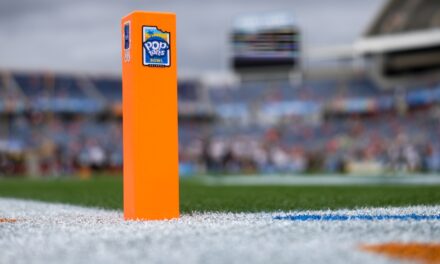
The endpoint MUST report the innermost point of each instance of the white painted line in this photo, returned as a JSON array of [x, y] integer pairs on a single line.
[[56, 233]]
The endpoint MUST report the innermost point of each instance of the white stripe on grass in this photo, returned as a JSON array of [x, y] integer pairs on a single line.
[[57, 233]]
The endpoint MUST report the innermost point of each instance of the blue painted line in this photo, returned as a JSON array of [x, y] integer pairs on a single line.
[[342, 217]]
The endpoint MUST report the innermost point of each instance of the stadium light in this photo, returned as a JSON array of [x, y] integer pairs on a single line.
[[150, 131]]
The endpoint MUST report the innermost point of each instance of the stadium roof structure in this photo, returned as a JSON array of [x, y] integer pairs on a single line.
[[404, 41], [403, 16], [402, 24]]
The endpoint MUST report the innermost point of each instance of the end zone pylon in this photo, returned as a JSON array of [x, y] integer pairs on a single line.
[[150, 131]]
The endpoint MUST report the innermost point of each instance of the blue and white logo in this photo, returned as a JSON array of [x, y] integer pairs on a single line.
[[127, 41], [156, 47]]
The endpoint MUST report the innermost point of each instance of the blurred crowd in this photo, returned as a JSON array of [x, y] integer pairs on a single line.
[[55, 145], [370, 144], [63, 125]]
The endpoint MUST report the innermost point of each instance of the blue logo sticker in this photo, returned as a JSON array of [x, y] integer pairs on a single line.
[[127, 41], [156, 47], [127, 36]]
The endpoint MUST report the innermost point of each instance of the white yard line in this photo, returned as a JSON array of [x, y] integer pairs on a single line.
[[57, 233], [264, 180]]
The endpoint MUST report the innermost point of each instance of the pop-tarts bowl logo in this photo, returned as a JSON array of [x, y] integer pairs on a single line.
[[156, 47]]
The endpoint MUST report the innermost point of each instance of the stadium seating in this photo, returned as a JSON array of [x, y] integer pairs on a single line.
[[110, 88], [67, 87], [263, 127], [32, 85]]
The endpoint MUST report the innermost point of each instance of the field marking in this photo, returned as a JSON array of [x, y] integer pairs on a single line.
[[342, 217], [318, 180], [8, 220], [44, 233], [428, 253]]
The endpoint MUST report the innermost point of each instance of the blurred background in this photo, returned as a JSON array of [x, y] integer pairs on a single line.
[[279, 87]]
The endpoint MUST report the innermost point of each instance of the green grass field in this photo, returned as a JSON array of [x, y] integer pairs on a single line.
[[106, 192]]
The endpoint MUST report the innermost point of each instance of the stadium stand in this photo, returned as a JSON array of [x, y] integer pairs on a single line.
[[266, 127], [32, 85], [110, 88], [67, 87]]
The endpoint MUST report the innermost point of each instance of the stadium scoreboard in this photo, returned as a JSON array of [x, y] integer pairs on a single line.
[[265, 41]]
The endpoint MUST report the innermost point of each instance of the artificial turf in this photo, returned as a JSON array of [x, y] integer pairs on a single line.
[[106, 192]]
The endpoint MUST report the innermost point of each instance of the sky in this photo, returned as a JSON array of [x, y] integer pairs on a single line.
[[83, 36]]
